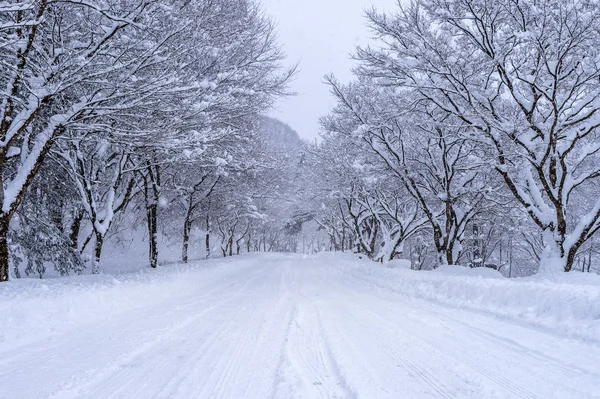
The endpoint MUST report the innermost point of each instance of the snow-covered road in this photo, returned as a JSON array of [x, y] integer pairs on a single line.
[[284, 326]]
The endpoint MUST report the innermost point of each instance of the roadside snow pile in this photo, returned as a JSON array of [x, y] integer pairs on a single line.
[[32, 310], [398, 264], [466, 271], [566, 304]]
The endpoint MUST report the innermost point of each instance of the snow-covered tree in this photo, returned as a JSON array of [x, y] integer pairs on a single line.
[[102, 176], [425, 151], [64, 63], [227, 69], [42, 232], [523, 79], [129, 89]]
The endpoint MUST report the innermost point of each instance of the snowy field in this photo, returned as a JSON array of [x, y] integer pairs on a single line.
[[288, 326]]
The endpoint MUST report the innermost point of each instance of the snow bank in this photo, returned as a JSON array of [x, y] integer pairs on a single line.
[[466, 271], [33, 310], [567, 304], [398, 264]]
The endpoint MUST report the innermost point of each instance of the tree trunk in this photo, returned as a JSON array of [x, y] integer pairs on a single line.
[[372, 244], [76, 228], [207, 237], [4, 226], [152, 214], [56, 215], [554, 257], [450, 256], [86, 242], [152, 196], [445, 257], [4, 260], [187, 225], [97, 254], [186, 241], [441, 259], [570, 260], [238, 244], [510, 257]]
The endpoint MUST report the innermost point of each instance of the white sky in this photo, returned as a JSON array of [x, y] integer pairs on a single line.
[[321, 35]]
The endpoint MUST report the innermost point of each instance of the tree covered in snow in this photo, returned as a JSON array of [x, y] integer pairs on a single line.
[[64, 65], [528, 90], [122, 94], [469, 134], [423, 150], [283, 181], [45, 228], [459, 96]]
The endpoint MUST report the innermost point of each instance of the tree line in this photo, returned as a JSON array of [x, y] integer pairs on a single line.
[[468, 135], [470, 127], [127, 112]]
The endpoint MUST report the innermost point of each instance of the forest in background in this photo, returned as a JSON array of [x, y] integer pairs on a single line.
[[469, 136]]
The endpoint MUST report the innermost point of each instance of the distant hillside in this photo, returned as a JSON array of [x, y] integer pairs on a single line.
[[280, 135]]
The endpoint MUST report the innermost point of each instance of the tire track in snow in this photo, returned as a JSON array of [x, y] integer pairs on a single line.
[[487, 340], [307, 368], [351, 338], [521, 351], [433, 343], [93, 378], [436, 387], [188, 378], [225, 371], [358, 331], [331, 357], [282, 363], [228, 375], [310, 366], [463, 359], [224, 280]]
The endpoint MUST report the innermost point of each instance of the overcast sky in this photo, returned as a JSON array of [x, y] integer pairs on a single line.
[[321, 35]]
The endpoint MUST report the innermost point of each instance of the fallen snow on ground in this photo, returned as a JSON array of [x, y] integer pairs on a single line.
[[291, 326], [568, 304]]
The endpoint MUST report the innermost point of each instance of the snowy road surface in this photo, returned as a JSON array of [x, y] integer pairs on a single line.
[[284, 326]]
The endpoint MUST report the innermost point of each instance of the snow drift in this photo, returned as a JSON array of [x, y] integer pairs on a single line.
[[567, 304]]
